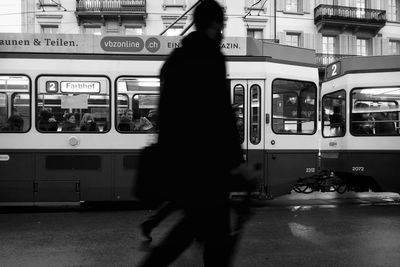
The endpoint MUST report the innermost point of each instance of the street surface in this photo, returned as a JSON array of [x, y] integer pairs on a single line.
[[322, 230]]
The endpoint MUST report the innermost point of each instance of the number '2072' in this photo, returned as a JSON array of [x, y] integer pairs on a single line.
[[357, 169]]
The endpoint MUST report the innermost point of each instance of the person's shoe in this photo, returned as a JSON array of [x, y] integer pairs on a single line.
[[146, 230]]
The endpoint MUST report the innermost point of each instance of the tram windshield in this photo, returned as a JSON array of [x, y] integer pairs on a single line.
[[14, 104], [375, 111], [294, 107], [73, 104]]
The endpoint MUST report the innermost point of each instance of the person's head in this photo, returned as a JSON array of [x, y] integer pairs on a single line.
[[15, 122], [336, 109], [208, 18], [87, 118], [70, 117], [45, 115], [128, 114]]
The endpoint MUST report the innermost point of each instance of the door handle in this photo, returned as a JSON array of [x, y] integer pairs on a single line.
[[266, 118]]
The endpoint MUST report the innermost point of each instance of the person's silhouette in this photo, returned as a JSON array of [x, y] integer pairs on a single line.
[[194, 87]]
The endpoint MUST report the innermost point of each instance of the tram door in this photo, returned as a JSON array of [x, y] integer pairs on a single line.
[[291, 134], [248, 104]]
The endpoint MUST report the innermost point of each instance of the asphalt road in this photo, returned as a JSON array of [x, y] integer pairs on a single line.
[[347, 231]]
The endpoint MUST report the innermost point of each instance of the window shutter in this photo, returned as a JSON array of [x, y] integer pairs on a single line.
[[306, 6], [343, 44], [376, 46], [309, 40], [300, 7], [352, 45], [384, 5], [318, 43], [375, 4], [385, 46], [280, 5]]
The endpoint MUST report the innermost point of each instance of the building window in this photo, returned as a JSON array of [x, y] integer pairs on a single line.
[[133, 30], [174, 31], [255, 4], [49, 28], [292, 6], [393, 10], [49, 2], [328, 44], [174, 3], [95, 30], [394, 47], [362, 47], [255, 33], [293, 39], [360, 5]]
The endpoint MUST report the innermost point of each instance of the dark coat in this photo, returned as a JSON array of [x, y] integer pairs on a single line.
[[89, 127], [69, 126], [197, 130]]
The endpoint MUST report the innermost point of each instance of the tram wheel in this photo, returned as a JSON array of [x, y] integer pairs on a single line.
[[340, 188], [304, 189]]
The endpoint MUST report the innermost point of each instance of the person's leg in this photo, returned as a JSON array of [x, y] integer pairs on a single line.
[[177, 240], [217, 239], [153, 221]]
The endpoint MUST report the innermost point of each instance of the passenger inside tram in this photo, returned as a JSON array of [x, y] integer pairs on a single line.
[[14, 124], [336, 122], [127, 123], [47, 121], [88, 123], [69, 124], [384, 125], [363, 123]]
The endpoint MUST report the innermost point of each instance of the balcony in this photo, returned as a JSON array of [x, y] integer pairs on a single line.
[[94, 10], [349, 18], [322, 60]]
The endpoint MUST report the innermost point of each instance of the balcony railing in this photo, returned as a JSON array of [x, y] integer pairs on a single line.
[[323, 13], [111, 6], [323, 60]]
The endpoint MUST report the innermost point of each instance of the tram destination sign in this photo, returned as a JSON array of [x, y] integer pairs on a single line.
[[80, 87], [95, 44]]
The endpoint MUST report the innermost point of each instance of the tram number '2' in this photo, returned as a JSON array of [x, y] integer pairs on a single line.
[[357, 169], [334, 70]]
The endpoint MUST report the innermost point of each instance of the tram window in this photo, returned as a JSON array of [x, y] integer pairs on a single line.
[[334, 114], [238, 107], [375, 111], [14, 104], [78, 104], [294, 107], [255, 114], [137, 104]]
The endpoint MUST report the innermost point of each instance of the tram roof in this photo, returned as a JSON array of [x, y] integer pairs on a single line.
[[362, 64], [143, 45]]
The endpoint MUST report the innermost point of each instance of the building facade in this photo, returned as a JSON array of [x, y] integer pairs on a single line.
[[334, 28]]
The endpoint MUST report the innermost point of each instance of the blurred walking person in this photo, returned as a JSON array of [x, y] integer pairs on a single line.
[[205, 152]]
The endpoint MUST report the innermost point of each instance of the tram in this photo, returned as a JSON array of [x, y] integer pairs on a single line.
[[274, 91], [361, 121]]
